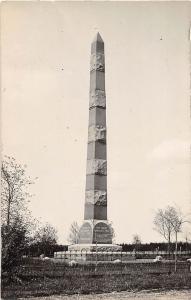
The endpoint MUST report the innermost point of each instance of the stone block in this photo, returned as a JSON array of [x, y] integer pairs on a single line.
[[97, 81], [97, 99], [97, 133], [97, 116], [85, 234], [96, 182], [96, 197], [100, 212], [97, 62], [104, 249], [97, 47], [96, 150], [89, 211], [102, 233], [95, 211], [96, 166]]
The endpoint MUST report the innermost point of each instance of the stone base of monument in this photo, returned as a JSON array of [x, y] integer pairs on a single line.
[[93, 253], [92, 257], [95, 247]]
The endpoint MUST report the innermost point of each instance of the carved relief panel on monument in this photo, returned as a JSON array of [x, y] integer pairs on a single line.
[[96, 166], [97, 62], [97, 133], [96, 197], [97, 99]]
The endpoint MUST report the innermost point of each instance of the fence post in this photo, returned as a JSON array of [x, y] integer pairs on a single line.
[[176, 248], [96, 257], [70, 255], [121, 261], [81, 254]]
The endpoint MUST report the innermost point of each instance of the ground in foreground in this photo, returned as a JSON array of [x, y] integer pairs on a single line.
[[144, 295], [46, 279]]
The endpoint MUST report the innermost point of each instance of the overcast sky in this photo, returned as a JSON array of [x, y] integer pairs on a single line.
[[45, 87]]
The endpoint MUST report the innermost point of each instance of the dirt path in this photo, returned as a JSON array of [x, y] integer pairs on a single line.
[[144, 295]]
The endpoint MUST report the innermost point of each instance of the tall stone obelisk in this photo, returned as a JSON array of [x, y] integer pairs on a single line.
[[95, 229], [96, 173]]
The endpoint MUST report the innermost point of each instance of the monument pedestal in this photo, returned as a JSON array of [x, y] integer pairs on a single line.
[[83, 254], [93, 253], [95, 247]]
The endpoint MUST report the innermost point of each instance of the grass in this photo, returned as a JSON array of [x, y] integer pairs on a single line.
[[46, 278]]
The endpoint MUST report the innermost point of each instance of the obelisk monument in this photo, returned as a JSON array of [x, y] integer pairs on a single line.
[[95, 229]]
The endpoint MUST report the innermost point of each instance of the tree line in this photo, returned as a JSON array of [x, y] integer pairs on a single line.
[[154, 247]]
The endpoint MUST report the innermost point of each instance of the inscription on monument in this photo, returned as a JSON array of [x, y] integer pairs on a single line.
[[102, 234], [85, 234]]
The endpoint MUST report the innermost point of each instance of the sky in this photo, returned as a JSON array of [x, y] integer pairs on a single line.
[[45, 61]]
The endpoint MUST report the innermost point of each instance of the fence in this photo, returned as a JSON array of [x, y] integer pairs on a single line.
[[110, 256], [57, 268]]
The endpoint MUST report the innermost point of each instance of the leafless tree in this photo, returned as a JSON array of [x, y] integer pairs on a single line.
[[163, 224], [14, 190], [169, 222], [177, 220], [74, 233], [136, 241]]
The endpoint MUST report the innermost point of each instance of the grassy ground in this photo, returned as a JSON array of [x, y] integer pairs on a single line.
[[44, 279], [141, 295]]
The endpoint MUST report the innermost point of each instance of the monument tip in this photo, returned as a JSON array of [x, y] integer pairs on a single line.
[[98, 38]]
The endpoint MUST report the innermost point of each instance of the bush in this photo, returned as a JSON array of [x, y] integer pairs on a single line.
[[13, 243]]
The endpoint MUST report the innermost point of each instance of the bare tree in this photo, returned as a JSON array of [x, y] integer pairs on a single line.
[[177, 220], [163, 224], [14, 190], [169, 222], [136, 241], [74, 233]]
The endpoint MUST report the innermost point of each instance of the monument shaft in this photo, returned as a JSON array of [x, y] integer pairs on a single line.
[[95, 229], [96, 172]]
